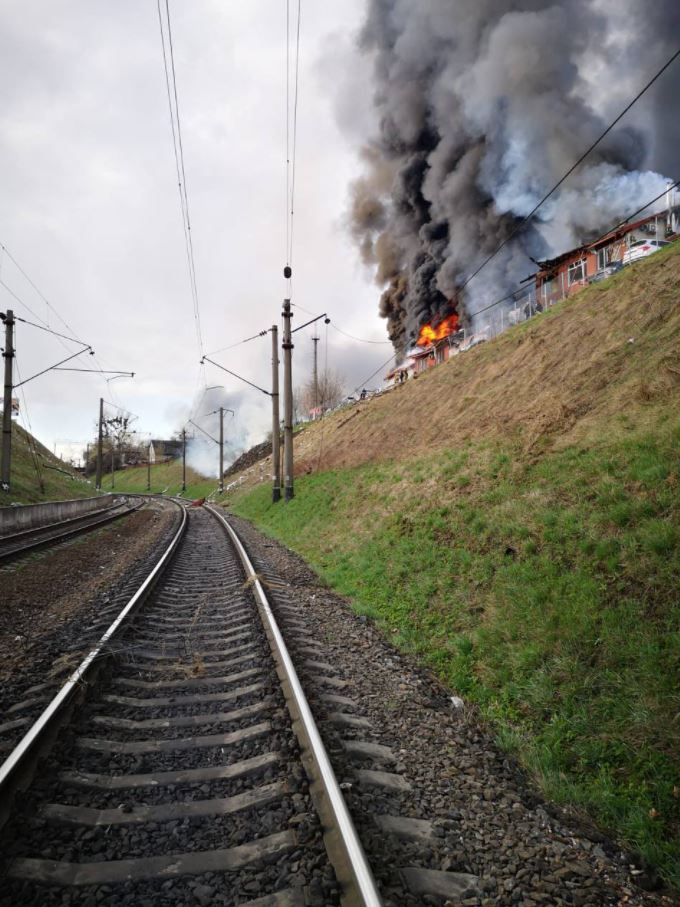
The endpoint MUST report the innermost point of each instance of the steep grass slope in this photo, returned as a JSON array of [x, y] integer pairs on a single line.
[[165, 478], [37, 475], [513, 519]]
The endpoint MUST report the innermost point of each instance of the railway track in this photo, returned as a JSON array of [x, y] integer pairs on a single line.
[[192, 772], [29, 540]]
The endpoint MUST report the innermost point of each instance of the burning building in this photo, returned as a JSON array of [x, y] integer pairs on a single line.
[[479, 109]]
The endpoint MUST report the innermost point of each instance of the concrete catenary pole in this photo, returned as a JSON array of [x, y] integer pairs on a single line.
[[100, 441], [148, 468], [184, 459], [276, 419], [221, 486], [287, 346], [8, 356], [113, 461]]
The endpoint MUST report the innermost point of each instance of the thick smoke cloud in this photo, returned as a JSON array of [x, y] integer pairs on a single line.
[[481, 106]]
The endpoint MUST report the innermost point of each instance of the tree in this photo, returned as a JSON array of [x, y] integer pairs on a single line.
[[328, 393], [119, 443]]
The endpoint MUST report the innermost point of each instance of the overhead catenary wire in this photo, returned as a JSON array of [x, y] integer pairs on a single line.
[[363, 384], [291, 130], [574, 166], [231, 346], [28, 427], [73, 337], [591, 242], [178, 150]]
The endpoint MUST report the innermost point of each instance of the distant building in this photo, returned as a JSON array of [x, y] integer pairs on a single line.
[[560, 277], [165, 450]]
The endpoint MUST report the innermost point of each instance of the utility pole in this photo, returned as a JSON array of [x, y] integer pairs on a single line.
[[98, 479], [148, 468], [221, 486], [184, 459], [8, 356], [287, 347], [315, 379], [276, 423]]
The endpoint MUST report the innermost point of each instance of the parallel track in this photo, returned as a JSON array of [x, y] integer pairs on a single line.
[[28, 540], [189, 758]]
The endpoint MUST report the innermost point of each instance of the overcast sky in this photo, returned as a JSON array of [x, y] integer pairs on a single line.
[[90, 207]]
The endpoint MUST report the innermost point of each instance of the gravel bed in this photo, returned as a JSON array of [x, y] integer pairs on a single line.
[[58, 602], [489, 819], [29, 834]]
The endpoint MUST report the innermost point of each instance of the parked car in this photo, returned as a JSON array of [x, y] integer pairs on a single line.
[[642, 248], [606, 272]]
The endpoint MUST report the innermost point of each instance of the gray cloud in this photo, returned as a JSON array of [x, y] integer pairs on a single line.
[[90, 203]]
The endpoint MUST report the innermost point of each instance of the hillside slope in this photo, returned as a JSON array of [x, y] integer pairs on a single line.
[[37, 475], [166, 478], [512, 519]]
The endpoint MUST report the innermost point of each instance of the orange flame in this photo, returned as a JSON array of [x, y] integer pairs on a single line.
[[429, 335]]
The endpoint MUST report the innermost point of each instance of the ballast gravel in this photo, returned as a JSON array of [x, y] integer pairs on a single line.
[[58, 602], [489, 820]]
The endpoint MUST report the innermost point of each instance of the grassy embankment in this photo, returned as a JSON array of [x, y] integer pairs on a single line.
[[165, 478], [512, 519], [25, 482]]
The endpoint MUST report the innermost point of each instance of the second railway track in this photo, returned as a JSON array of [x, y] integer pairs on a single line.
[[181, 779], [16, 545]]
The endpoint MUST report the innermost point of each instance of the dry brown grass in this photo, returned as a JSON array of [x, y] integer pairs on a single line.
[[553, 381]]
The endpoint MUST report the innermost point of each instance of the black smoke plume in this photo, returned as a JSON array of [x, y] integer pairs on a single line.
[[480, 107]]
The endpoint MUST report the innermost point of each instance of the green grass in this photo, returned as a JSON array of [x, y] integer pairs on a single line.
[[165, 478], [545, 592], [25, 479]]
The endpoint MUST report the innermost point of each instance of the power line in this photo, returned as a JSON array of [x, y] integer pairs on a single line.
[[73, 338], [295, 109], [231, 346], [370, 377], [358, 339], [589, 243], [37, 290], [29, 430], [557, 185], [291, 159], [178, 149], [50, 331]]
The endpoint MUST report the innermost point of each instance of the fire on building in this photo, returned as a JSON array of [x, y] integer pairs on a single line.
[[556, 279]]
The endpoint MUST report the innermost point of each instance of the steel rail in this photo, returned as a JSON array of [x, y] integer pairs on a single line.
[[22, 752], [342, 841], [34, 530], [109, 517]]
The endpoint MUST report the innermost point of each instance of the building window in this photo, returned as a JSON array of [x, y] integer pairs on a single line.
[[576, 272]]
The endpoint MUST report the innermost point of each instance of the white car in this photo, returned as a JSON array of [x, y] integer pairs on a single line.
[[642, 248]]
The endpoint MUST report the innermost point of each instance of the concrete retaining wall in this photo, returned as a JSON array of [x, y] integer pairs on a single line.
[[14, 519]]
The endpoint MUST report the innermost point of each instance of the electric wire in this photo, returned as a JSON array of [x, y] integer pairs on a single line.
[[28, 428], [591, 242], [371, 376], [557, 185], [73, 338], [178, 150], [295, 110], [291, 127], [359, 339], [325, 378], [48, 304], [231, 346]]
